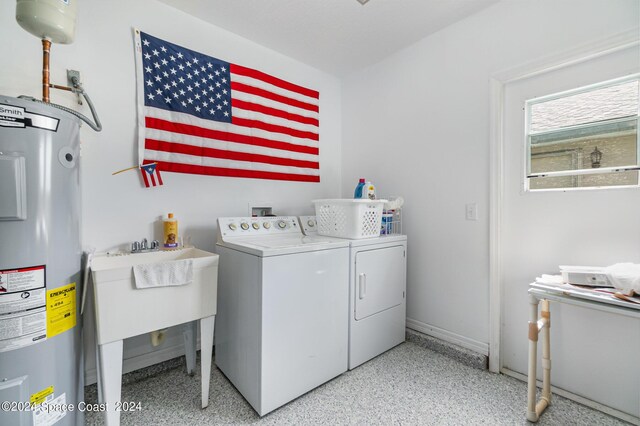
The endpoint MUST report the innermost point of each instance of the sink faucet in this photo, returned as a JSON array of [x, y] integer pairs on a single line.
[[143, 246]]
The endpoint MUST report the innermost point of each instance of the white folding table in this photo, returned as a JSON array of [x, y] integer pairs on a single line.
[[546, 293]]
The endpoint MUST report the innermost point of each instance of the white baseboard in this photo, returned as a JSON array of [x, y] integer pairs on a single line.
[[577, 398], [141, 361], [448, 336]]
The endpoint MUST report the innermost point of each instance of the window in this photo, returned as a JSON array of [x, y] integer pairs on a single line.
[[586, 137]]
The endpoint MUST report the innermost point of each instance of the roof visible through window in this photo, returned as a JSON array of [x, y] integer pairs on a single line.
[[616, 101]]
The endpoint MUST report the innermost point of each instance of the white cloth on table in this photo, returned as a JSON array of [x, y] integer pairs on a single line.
[[624, 277], [163, 274], [549, 279]]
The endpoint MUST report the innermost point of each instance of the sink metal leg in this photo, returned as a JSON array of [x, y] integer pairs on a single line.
[[206, 352], [111, 379], [189, 334], [98, 373]]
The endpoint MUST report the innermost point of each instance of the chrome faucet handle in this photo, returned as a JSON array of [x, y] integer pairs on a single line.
[[143, 246]]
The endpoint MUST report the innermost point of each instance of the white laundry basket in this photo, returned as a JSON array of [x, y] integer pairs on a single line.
[[349, 218]]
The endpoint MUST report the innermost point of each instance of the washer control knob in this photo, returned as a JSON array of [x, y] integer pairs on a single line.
[[282, 224], [255, 225], [233, 226], [266, 225], [311, 223], [244, 225]]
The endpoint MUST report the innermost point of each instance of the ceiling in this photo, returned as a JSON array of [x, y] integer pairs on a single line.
[[336, 36]]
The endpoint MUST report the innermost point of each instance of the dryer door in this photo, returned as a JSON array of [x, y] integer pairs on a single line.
[[379, 280]]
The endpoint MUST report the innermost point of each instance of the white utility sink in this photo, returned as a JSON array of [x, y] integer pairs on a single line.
[[123, 311]]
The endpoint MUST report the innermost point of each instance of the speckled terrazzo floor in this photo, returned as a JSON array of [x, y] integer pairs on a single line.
[[407, 385]]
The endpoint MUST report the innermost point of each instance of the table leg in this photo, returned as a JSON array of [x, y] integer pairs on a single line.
[[534, 410], [546, 352], [189, 335], [111, 378], [533, 359], [206, 352]]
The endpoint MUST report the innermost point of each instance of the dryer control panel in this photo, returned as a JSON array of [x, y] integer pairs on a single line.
[[255, 226], [309, 225]]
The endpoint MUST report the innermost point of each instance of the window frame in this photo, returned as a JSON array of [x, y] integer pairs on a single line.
[[580, 172]]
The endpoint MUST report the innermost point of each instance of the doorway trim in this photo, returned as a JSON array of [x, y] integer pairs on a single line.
[[497, 84]]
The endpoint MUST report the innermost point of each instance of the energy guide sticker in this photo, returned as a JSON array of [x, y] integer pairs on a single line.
[[61, 309], [23, 316]]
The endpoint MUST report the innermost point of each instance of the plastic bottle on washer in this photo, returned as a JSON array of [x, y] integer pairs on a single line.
[[369, 191], [359, 192]]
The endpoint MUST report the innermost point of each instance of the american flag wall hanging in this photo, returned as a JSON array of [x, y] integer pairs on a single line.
[[201, 115]]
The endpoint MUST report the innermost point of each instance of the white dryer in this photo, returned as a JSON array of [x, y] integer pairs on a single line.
[[377, 293], [281, 327]]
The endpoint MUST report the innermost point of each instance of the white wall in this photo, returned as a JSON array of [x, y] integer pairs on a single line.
[[117, 209], [417, 124]]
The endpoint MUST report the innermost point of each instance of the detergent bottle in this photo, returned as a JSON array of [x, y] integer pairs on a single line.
[[359, 192]]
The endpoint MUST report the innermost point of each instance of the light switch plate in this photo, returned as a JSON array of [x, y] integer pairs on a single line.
[[471, 211]]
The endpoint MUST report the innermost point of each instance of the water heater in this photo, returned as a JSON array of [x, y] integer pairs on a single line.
[[40, 264], [54, 20]]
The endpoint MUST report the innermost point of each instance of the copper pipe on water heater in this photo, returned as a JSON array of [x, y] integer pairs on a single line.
[[55, 86], [46, 48]]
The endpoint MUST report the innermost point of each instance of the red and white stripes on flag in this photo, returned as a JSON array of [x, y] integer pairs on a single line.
[[200, 115]]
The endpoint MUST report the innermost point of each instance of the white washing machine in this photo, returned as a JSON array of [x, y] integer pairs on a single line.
[[377, 293], [281, 326]]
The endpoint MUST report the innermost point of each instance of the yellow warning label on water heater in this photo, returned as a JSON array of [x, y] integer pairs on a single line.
[[61, 309], [38, 397]]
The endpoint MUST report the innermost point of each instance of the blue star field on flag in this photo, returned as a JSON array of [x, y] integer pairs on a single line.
[[181, 80]]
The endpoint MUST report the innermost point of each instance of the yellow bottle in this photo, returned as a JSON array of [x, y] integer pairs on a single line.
[[170, 239]]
